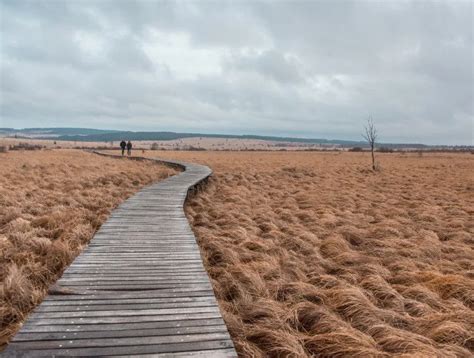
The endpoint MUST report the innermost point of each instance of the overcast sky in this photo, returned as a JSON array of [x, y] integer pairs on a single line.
[[299, 68]]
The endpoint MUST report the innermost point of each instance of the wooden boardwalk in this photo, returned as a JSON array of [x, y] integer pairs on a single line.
[[139, 288]]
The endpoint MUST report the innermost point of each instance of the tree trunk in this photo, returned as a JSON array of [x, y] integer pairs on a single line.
[[373, 158]]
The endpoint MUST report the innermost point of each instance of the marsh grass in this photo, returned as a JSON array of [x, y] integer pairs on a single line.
[[311, 254], [51, 203]]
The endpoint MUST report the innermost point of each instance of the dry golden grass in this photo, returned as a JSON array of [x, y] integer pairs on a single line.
[[51, 203], [313, 254]]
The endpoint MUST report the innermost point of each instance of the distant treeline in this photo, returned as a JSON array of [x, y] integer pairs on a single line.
[[154, 136], [106, 135], [151, 136]]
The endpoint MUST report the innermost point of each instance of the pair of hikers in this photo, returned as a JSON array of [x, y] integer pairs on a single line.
[[124, 145]]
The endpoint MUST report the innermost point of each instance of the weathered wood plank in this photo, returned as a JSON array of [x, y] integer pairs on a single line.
[[126, 274], [117, 271], [124, 306], [127, 287], [99, 299], [215, 353], [124, 313], [176, 292], [123, 341], [126, 319], [58, 329], [107, 285], [148, 332], [130, 277], [192, 346]]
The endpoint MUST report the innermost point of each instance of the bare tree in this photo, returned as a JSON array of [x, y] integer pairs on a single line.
[[370, 136]]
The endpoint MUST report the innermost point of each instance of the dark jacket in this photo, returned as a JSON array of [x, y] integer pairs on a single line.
[[129, 145], [123, 144]]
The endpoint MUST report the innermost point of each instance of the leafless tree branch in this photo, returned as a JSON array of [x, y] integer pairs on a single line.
[[370, 136]]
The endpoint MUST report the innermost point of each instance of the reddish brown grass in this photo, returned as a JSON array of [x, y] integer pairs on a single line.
[[313, 254], [51, 203]]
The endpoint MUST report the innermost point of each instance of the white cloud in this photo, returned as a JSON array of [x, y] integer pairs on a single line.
[[175, 52]]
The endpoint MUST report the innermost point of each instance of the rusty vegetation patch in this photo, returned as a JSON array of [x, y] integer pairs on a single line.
[[51, 203], [313, 254]]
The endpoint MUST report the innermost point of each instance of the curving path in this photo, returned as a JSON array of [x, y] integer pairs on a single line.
[[139, 288]]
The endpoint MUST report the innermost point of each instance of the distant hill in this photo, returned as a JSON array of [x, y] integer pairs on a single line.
[[106, 135], [54, 132]]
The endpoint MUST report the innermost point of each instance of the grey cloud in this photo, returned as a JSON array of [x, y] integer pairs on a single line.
[[270, 64], [287, 68]]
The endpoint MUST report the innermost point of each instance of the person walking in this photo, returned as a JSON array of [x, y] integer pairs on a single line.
[[123, 144], [129, 148]]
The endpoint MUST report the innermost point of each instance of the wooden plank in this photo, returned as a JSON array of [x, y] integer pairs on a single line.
[[162, 245], [184, 249], [143, 242], [120, 301], [127, 319], [125, 313], [124, 341], [183, 258], [148, 332], [164, 256], [125, 274], [135, 271], [143, 263], [124, 269], [138, 289], [126, 287], [105, 284], [153, 243], [215, 353], [136, 350], [177, 292], [129, 277], [60, 329], [125, 306], [163, 259], [157, 264], [143, 237], [150, 264], [114, 276]]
